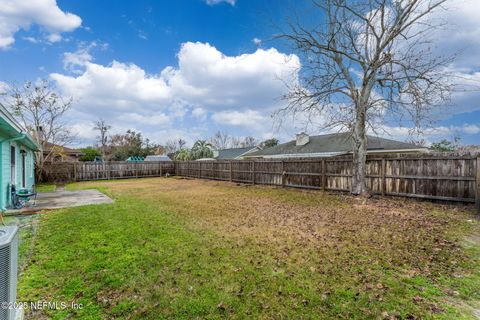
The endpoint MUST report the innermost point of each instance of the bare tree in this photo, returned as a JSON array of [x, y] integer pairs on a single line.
[[41, 109], [239, 142], [369, 62], [174, 145], [249, 142], [221, 140], [102, 127]]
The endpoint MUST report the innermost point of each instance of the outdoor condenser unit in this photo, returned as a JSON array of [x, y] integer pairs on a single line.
[[8, 272]]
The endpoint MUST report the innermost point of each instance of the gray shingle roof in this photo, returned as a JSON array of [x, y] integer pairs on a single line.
[[332, 144], [233, 153], [157, 158]]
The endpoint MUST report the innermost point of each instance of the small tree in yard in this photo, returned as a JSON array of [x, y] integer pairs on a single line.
[[446, 145], [126, 145], [368, 62], [40, 109], [102, 127], [89, 154]]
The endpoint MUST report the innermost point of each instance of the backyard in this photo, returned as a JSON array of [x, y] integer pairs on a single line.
[[182, 248]]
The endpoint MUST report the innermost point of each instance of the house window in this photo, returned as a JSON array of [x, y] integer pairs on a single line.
[[12, 164]]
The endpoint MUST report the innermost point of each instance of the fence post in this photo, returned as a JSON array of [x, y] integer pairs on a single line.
[[161, 169], [199, 165], [324, 175], [477, 186], [383, 179], [230, 170], [253, 172], [283, 173]]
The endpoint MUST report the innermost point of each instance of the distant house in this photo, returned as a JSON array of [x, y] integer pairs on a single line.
[[330, 145], [17, 159], [135, 159], [234, 153], [54, 152], [157, 158]]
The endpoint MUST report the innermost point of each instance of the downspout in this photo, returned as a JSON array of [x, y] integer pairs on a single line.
[[19, 137]]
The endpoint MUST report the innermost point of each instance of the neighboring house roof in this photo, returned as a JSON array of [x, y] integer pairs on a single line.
[[13, 129], [135, 159], [234, 153], [55, 147], [157, 158], [331, 145]]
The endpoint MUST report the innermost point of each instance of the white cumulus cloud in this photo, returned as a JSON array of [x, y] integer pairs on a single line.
[[207, 77], [239, 91], [257, 41], [214, 2], [247, 118], [115, 86], [20, 14]]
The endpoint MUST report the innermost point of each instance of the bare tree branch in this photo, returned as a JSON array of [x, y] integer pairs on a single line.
[[369, 62], [40, 109]]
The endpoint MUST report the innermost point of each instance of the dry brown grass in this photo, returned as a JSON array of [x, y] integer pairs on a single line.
[[388, 230]]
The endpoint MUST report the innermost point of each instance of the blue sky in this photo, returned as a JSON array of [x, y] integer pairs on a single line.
[[187, 68]]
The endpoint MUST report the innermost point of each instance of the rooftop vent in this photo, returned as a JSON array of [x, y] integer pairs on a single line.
[[302, 139]]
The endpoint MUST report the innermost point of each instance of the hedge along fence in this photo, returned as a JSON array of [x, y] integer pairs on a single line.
[[436, 177]]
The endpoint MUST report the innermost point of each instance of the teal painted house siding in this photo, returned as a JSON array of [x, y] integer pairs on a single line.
[[6, 169], [4, 172], [22, 174]]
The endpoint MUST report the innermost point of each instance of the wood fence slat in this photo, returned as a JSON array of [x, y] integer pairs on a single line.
[[324, 175], [383, 177], [477, 185]]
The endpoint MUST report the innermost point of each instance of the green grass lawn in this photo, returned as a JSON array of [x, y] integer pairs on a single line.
[[46, 187], [191, 249]]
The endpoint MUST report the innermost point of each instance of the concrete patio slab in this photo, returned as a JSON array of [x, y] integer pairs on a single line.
[[65, 199]]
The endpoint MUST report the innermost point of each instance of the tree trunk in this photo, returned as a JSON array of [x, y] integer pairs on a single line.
[[39, 161], [359, 186]]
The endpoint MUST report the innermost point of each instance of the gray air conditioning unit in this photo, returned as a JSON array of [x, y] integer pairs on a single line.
[[8, 272]]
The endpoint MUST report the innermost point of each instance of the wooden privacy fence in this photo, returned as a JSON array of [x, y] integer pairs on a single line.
[[438, 177], [450, 178], [82, 171]]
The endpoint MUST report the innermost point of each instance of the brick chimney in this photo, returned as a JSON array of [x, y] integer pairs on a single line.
[[40, 135]]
